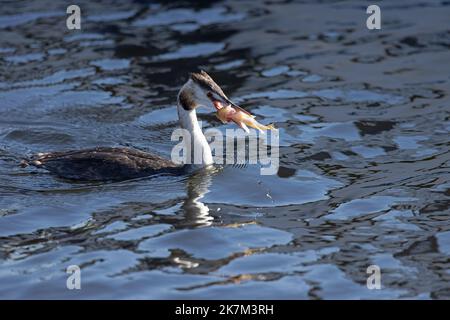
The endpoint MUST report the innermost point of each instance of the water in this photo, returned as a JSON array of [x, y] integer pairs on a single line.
[[364, 179]]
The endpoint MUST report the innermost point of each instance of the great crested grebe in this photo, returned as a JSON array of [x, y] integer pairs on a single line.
[[107, 163]]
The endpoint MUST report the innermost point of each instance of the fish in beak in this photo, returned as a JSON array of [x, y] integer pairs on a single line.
[[228, 111]]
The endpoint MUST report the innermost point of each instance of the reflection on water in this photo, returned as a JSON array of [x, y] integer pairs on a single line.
[[363, 178], [195, 211]]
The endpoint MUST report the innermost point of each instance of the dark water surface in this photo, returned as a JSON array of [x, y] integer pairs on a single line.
[[364, 120]]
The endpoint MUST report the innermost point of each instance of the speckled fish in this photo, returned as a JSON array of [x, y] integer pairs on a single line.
[[241, 117]]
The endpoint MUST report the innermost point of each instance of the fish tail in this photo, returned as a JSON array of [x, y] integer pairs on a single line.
[[266, 127], [260, 128]]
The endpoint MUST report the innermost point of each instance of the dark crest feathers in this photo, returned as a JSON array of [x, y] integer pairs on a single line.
[[186, 100], [206, 82]]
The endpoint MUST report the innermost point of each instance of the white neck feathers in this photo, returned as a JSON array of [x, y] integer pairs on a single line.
[[196, 145]]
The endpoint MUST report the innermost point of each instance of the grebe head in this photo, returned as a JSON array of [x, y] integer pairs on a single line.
[[201, 90]]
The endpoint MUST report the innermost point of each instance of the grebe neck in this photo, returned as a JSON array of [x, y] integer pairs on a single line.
[[196, 144]]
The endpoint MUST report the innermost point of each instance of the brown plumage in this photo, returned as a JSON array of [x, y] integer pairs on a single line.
[[186, 101], [104, 163]]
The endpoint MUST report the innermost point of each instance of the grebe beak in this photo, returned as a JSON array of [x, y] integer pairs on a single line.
[[223, 100]]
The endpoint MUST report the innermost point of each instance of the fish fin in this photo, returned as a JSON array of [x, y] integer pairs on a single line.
[[244, 126], [241, 125]]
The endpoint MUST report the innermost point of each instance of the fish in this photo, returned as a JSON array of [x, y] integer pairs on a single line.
[[241, 117]]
